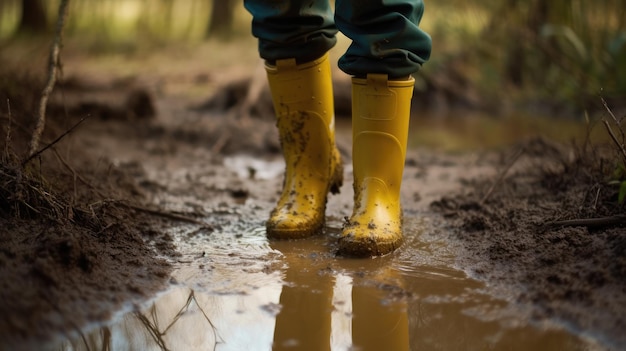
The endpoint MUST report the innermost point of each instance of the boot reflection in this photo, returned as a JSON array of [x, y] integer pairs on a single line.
[[322, 309], [322, 303], [304, 321], [380, 320]]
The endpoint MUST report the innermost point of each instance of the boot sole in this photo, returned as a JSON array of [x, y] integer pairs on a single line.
[[289, 234], [368, 247]]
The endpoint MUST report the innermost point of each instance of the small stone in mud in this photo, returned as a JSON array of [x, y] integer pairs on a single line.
[[239, 193]]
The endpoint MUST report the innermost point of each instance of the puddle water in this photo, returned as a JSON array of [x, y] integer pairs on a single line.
[[251, 294], [235, 290]]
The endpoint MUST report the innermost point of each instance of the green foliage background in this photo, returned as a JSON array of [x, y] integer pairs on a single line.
[[562, 51], [568, 50]]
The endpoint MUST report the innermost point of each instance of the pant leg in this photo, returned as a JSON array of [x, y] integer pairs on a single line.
[[385, 36], [300, 29]]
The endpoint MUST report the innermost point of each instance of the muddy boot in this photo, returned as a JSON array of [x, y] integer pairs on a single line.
[[303, 101], [380, 121]]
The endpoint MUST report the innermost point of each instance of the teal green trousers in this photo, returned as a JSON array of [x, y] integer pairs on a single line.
[[385, 34]]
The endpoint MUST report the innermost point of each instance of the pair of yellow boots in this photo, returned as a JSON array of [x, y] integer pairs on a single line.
[[303, 101]]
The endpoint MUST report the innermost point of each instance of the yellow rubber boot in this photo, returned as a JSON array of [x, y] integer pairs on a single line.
[[303, 102], [380, 122]]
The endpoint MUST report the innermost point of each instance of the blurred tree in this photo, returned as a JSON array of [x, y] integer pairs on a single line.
[[222, 18], [33, 19], [531, 24], [564, 48]]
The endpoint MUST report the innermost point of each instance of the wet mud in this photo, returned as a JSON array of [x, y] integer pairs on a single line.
[[234, 289], [461, 280]]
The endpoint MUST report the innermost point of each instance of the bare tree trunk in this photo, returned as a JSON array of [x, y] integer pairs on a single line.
[[33, 19], [222, 17], [515, 58], [167, 7]]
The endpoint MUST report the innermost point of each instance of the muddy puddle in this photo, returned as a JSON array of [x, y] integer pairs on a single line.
[[232, 289]]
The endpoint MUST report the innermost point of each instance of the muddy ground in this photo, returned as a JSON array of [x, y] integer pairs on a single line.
[[82, 225]]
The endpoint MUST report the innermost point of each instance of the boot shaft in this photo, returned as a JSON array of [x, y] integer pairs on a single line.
[[303, 101], [305, 87], [380, 124]]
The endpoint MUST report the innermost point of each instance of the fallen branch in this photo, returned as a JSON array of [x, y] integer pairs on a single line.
[[53, 68], [590, 222], [165, 214]]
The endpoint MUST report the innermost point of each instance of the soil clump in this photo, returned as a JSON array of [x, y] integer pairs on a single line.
[[552, 231], [74, 238]]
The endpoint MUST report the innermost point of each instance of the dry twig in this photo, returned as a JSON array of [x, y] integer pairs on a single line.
[[617, 143], [37, 153], [590, 222], [8, 137], [165, 214], [220, 143], [607, 125], [53, 69]]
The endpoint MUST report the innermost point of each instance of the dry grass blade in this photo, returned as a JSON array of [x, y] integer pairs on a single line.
[[620, 145], [8, 136], [180, 313], [502, 174], [55, 141], [153, 330], [218, 339], [153, 325]]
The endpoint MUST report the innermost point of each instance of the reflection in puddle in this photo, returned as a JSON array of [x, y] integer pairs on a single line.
[[249, 294], [326, 304]]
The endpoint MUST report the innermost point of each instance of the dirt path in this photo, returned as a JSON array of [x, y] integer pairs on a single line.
[[576, 275]]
